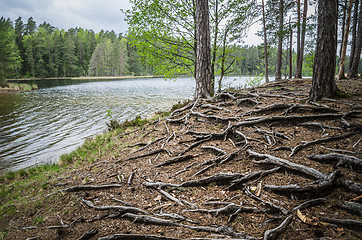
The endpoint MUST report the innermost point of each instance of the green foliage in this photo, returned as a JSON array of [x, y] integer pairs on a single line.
[[9, 52], [254, 81], [38, 220]]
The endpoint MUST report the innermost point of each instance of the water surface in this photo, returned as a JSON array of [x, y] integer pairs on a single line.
[[37, 127]]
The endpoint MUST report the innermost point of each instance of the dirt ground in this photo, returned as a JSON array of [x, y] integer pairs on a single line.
[[228, 156]]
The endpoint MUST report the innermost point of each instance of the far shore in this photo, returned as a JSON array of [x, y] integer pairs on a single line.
[[83, 78]]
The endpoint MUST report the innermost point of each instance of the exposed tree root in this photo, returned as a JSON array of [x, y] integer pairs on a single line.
[[294, 118], [341, 158], [352, 186], [269, 159], [347, 223], [153, 152], [90, 187], [227, 210], [275, 232], [299, 147], [309, 203], [176, 160], [319, 187], [118, 209], [352, 207], [258, 174], [147, 145], [135, 237], [268, 204], [213, 149], [89, 234]]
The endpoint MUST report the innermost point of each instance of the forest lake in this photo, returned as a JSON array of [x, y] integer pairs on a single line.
[[38, 127]]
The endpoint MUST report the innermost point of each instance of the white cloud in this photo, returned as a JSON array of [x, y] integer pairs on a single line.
[[65, 14]]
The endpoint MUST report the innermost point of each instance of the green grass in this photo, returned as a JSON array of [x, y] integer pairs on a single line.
[[22, 87]]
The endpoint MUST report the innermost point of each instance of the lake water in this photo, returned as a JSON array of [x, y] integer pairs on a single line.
[[39, 126]]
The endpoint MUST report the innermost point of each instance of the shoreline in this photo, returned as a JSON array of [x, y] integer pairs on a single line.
[[84, 78]]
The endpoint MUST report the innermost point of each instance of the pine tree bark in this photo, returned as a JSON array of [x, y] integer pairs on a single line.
[[290, 53], [298, 35], [323, 83], [341, 74], [354, 36], [357, 53], [203, 50], [265, 45], [278, 68], [299, 70]]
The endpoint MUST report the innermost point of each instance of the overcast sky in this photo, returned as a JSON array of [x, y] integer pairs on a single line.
[[88, 14]]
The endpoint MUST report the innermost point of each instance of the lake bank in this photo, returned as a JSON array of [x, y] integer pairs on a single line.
[[114, 172]]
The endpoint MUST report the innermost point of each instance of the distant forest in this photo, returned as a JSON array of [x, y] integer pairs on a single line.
[[44, 51]]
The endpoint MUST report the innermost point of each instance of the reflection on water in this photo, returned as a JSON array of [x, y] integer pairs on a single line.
[[39, 126]]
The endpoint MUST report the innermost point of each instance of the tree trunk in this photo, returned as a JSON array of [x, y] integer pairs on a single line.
[[265, 45], [278, 69], [323, 83], [203, 52], [354, 33], [291, 54], [341, 74], [299, 70], [214, 47], [298, 37], [344, 6], [357, 52]]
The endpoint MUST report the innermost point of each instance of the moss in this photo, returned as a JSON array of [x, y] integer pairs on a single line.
[[341, 94]]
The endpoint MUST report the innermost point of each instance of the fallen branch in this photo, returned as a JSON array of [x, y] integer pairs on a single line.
[[269, 159], [299, 147], [341, 158], [275, 232]]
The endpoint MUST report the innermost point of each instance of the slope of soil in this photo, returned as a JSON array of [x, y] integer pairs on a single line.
[[238, 166]]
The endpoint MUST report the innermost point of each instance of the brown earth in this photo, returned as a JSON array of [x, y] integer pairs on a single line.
[[234, 213]]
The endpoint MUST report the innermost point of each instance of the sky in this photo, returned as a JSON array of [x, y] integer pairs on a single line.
[[87, 14]]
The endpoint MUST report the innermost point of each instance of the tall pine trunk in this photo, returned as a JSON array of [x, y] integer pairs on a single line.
[[323, 83], [265, 45], [357, 53], [298, 37], [203, 51], [354, 36], [299, 70], [342, 61], [291, 53], [278, 68]]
